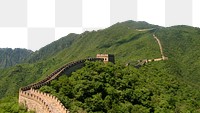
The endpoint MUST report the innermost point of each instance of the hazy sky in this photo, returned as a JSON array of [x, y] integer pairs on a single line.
[[39, 22]]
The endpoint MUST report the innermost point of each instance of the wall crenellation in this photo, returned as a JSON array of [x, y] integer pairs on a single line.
[[40, 101], [47, 96], [40, 97]]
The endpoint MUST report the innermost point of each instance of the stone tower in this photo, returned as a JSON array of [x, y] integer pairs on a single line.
[[106, 57]]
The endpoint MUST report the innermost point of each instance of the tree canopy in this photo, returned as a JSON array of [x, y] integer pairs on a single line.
[[99, 87]]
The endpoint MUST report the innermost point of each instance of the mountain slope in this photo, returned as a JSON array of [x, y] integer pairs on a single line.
[[127, 44], [100, 87], [10, 57], [180, 45], [121, 39], [53, 48]]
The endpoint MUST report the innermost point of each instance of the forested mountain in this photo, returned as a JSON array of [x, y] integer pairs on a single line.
[[167, 86], [53, 48], [181, 44], [108, 88], [10, 57]]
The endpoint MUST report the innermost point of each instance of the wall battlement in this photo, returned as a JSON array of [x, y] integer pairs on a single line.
[[106, 57], [33, 102], [45, 103]]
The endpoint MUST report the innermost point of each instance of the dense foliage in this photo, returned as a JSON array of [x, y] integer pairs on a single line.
[[99, 87], [114, 39], [10, 57], [9, 105], [21, 75], [180, 44]]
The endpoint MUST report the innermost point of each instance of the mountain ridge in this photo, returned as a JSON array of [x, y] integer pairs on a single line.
[[10, 57], [180, 44]]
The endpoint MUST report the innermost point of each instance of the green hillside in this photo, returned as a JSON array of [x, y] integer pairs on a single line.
[[121, 39], [52, 49], [180, 44], [10, 57], [109, 88]]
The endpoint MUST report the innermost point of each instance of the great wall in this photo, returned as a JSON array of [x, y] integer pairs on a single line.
[[163, 57], [41, 102]]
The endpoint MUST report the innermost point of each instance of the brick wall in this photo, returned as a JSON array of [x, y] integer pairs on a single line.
[[45, 103]]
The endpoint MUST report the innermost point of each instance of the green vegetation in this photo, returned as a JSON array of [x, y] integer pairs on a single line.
[[180, 44], [100, 87], [10, 57], [121, 39], [52, 48], [10, 105]]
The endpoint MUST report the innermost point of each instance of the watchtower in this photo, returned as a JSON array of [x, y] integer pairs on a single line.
[[106, 57]]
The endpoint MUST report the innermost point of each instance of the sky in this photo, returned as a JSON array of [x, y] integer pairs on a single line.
[[33, 24]]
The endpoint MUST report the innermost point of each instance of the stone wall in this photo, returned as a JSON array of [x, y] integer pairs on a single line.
[[33, 102], [43, 102]]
